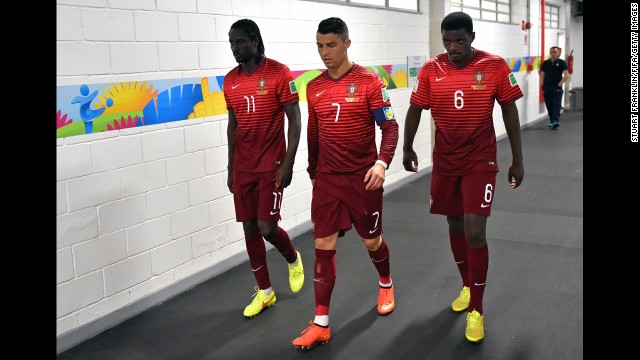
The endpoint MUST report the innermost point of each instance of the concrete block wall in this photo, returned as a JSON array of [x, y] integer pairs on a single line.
[[137, 228]]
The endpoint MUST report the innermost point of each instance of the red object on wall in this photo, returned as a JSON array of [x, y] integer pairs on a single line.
[[570, 62], [523, 26]]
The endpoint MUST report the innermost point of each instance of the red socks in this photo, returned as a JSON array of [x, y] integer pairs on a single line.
[[324, 278]]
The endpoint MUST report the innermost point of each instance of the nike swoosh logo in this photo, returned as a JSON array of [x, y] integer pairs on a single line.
[[459, 262], [254, 270], [476, 284], [233, 87], [442, 78], [387, 306], [484, 206], [320, 93], [273, 213], [372, 231], [372, 259]]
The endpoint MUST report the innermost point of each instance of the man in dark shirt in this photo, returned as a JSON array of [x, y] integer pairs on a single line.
[[553, 73]]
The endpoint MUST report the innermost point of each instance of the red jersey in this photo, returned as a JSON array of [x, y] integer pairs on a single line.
[[461, 103], [258, 99], [342, 117]]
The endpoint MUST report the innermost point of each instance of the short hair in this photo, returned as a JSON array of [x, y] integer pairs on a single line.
[[555, 47], [253, 31], [334, 25], [457, 20]]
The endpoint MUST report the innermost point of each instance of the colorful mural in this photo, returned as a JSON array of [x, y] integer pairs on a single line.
[[93, 108]]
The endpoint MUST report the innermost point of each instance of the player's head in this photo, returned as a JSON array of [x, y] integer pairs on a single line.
[[246, 41], [457, 36], [333, 41]]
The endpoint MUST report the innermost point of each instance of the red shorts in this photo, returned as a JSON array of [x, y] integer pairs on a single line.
[[340, 200], [459, 195], [255, 196]]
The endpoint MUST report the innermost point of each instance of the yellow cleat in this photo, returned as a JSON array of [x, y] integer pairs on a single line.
[[461, 303], [475, 326], [296, 274], [260, 302]]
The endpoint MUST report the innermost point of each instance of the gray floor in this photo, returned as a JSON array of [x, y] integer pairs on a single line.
[[533, 302]]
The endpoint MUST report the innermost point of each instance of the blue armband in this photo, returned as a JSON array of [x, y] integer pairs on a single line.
[[383, 115]]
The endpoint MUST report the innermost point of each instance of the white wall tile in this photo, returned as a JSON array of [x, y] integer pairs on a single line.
[[99, 252], [170, 256], [185, 168], [178, 56], [207, 189], [119, 23], [68, 23], [64, 265], [162, 144], [148, 235], [127, 273], [116, 153], [156, 26], [134, 5], [78, 293], [134, 57], [76, 227], [202, 137], [120, 214], [73, 161], [214, 7], [177, 6], [190, 220], [145, 177], [102, 308], [197, 27], [167, 200], [61, 197]]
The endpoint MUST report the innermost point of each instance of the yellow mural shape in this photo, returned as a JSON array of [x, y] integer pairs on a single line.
[[127, 97]]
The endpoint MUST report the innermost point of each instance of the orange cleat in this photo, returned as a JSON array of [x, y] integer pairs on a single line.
[[311, 335], [386, 300]]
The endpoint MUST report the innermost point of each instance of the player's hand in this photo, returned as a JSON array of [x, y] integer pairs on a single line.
[[284, 176], [374, 177], [410, 160], [516, 174]]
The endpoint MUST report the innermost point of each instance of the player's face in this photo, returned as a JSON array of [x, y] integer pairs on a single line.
[[458, 45], [332, 50], [555, 53], [242, 47]]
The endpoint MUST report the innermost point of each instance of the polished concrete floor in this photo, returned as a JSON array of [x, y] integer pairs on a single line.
[[533, 302]]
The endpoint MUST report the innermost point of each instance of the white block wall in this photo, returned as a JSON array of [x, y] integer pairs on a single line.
[[159, 214]]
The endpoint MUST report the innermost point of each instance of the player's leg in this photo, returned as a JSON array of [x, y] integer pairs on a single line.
[[366, 211], [478, 191], [548, 102], [446, 199], [245, 198], [557, 105], [270, 202], [328, 217]]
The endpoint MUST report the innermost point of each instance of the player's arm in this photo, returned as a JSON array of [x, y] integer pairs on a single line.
[[386, 120], [285, 172], [312, 142], [232, 127], [541, 77], [411, 123], [512, 125]]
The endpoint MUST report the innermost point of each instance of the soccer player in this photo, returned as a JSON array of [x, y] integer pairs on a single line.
[[258, 92], [345, 103], [460, 87], [553, 73]]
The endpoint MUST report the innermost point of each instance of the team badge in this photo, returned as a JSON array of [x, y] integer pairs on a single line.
[[478, 77], [262, 83], [292, 87], [352, 89], [385, 95], [512, 80]]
